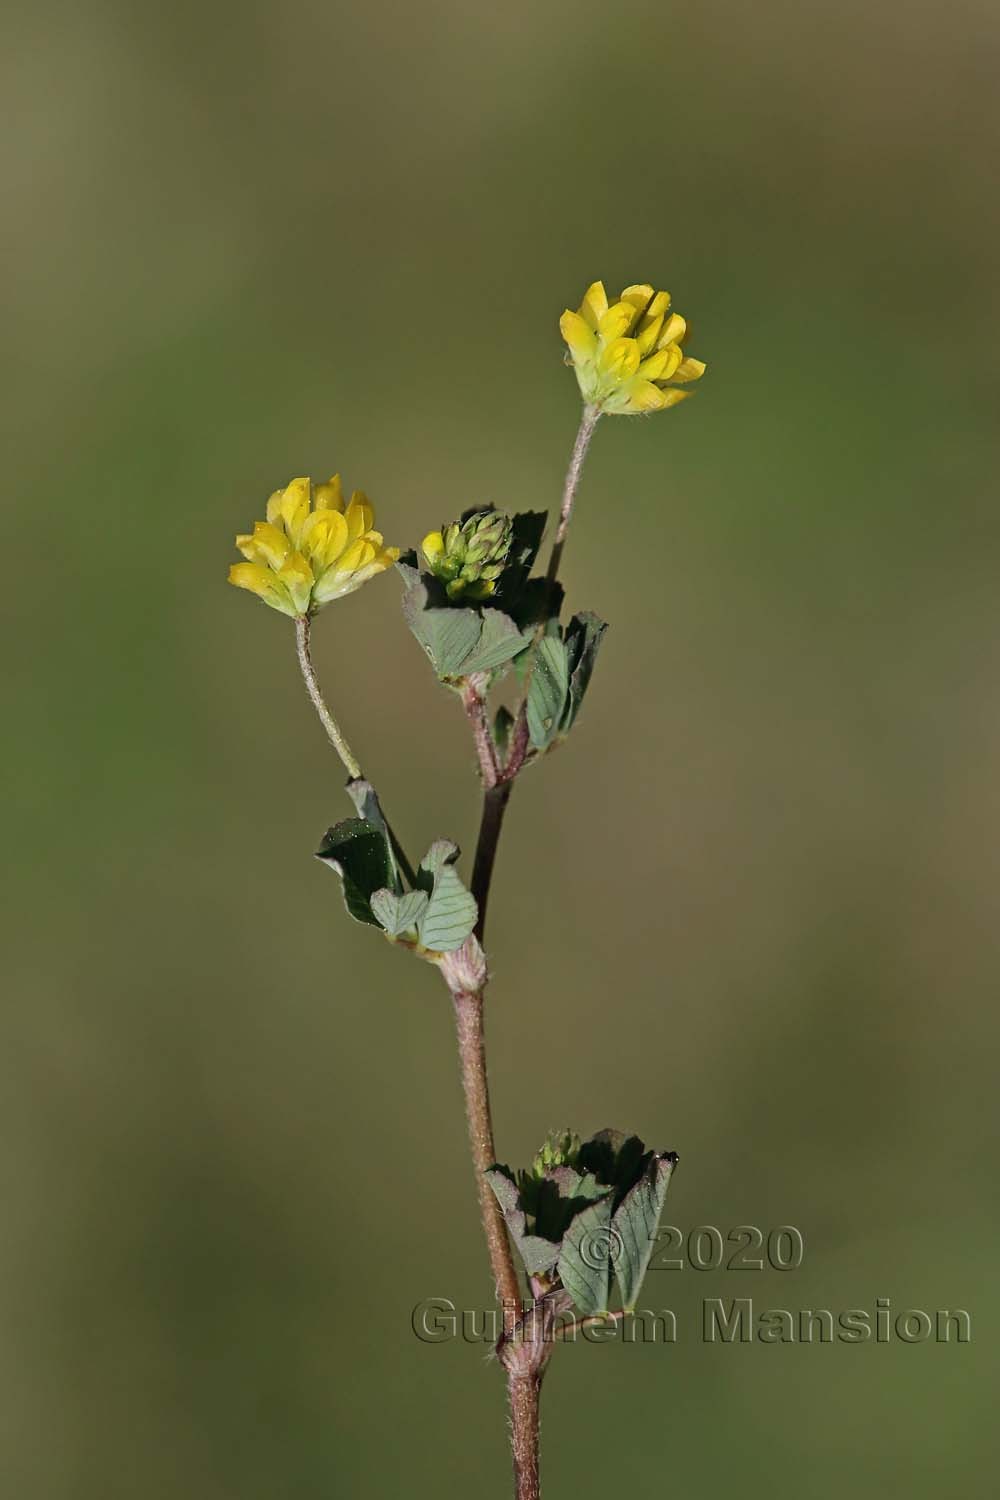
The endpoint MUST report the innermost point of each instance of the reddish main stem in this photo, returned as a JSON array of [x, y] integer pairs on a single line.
[[472, 1056], [523, 1391]]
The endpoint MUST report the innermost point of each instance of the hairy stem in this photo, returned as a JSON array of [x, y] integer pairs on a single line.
[[472, 1056], [588, 422], [474, 703], [498, 779], [523, 1392], [329, 723]]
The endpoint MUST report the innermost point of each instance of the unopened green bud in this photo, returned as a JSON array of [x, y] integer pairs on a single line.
[[560, 1149], [469, 556]]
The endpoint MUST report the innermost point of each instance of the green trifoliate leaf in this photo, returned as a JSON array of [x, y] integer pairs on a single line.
[[576, 1187], [527, 530], [583, 637], [634, 1226], [457, 640], [442, 852], [452, 637], [360, 854], [446, 635], [538, 1254], [529, 601], [584, 1213], [617, 1159], [499, 642], [584, 1263], [450, 915], [547, 690], [451, 912], [399, 914], [535, 604], [362, 794], [555, 1200], [561, 665]]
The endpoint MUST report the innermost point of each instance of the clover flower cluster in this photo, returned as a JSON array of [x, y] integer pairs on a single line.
[[627, 354]]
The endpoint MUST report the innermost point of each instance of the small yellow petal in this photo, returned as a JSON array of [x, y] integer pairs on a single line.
[[644, 396], [295, 570], [656, 309], [639, 296], [335, 584], [297, 576], [594, 304], [432, 546], [620, 359], [359, 515], [674, 357], [671, 397], [329, 496], [578, 335], [689, 369], [649, 332], [653, 367], [263, 583], [273, 511], [252, 576], [270, 545], [639, 299], [294, 506], [357, 555], [672, 331], [323, 537], [616, 322]]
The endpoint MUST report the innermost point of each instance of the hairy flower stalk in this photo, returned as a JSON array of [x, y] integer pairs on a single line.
[[334, 732], [584, 434]]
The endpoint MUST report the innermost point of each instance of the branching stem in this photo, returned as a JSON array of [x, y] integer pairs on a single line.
[[498, 779]]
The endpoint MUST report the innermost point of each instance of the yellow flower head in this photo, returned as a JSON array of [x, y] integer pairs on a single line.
[[628, 356], [311, 548]]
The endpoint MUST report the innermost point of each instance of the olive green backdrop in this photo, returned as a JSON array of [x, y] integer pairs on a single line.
[[750, 910]]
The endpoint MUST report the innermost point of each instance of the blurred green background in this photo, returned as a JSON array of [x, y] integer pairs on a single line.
[[750, 911]]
